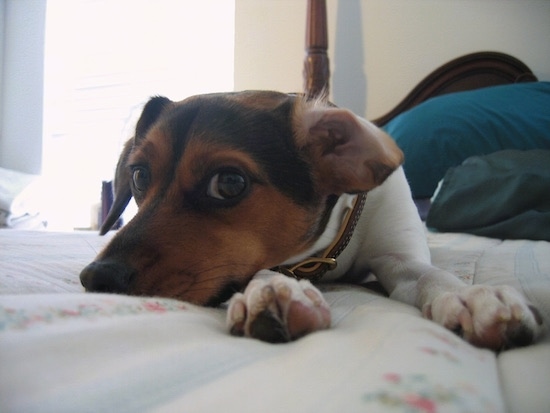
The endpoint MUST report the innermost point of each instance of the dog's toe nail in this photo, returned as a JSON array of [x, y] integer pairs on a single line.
[[238, 312], [284, 292], [517, 312], [314, 297], [268, 294], [504, 315], [236, 318], [427, 311]]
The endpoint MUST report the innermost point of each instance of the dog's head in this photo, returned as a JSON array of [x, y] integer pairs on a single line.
[[227, 185]]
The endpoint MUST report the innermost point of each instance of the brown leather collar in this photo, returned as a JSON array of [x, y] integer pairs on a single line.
[[314, 268]]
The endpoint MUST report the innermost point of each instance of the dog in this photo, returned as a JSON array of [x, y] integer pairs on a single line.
[[250, 196]]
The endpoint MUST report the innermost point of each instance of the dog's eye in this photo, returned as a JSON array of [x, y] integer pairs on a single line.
[[140, 177], [227, 185]]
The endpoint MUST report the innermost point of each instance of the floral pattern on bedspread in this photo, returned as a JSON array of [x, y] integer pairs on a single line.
[[416, 393], [20, 319], [420, 392]]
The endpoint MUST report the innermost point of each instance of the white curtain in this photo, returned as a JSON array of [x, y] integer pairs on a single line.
[[103, 60]]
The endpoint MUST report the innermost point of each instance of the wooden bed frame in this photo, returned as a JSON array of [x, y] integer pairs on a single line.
[[472, 71]]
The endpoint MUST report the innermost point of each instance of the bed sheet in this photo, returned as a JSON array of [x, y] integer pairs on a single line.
[[64, 351]]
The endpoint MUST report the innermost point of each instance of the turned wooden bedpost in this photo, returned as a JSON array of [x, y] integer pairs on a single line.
[[316, 63]]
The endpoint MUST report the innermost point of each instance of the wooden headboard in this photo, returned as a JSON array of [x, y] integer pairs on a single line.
[[472, 71]]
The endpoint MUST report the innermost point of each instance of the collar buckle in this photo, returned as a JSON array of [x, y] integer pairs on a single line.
[[311, 268], [314, 268]]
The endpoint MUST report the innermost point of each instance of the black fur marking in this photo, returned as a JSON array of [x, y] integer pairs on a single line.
[[180, 126], [151, 112]]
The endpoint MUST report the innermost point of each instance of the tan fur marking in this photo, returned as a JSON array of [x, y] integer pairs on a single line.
[[155, 152]]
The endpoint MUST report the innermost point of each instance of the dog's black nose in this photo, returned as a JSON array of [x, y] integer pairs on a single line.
[[106, 277]]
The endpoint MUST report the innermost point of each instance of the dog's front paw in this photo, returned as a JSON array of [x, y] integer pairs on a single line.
[[487, 316], [278, 309]]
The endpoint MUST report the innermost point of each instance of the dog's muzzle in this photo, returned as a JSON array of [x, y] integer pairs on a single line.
[[106, 277]]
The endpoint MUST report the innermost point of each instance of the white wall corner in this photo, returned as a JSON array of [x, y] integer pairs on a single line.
[[21, 92]]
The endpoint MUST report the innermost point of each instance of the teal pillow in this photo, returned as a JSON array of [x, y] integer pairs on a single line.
[[445, 130]]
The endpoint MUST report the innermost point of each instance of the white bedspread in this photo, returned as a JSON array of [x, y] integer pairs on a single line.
[[65, 351]]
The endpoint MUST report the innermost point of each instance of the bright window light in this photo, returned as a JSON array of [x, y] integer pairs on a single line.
[[103, 60]]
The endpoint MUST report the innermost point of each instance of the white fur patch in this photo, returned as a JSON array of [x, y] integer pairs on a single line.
[[344, 204], [306, 114]]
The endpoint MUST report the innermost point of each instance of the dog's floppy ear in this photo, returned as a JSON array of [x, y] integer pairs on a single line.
[[348, 154], [122, 191], [122, 188]]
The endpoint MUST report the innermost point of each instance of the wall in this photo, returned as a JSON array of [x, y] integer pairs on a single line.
[[380, 49], [22, 59], [269, 44], [2, 40]]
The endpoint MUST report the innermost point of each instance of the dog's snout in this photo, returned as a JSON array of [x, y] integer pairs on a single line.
[[107, 277]]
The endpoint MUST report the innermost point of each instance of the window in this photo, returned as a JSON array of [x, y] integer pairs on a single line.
[[103, 60]]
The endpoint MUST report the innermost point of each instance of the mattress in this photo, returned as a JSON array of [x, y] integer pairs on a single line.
[[63, 350]]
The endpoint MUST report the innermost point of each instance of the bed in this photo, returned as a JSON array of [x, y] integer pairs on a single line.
[[62, 350]]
